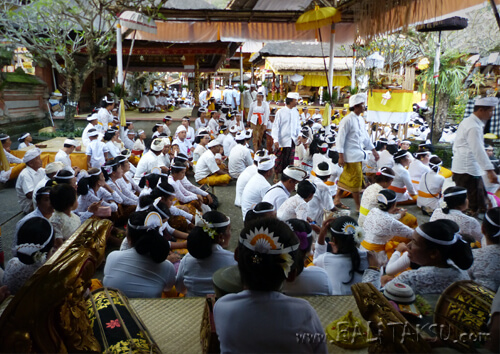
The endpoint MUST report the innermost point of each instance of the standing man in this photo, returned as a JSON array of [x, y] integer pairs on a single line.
[[285, 131], [227, 96], [470, 160], [236, 97], [249, 96], [351, 140], [258, 115], [217, 94], [203, 97], [28, 179]]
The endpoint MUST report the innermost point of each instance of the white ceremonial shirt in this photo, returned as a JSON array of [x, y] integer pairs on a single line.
[[322, 199], [138, 275], [293, 208], [184, 146], [239, 159], [147, 162], [468, 149], [96, 150], [386, 159], [198, 151], [276, 195], [416, 170], [195, 275], [242, 181], [431, 183], [253, 193], [286, 127], [263, 109], [338, 266], [313, 281], [352, 138], [63, 157], [402, 180], [275, 320], [26, 183], [198, 124], [228, 144], [205, 166], [104, 117]]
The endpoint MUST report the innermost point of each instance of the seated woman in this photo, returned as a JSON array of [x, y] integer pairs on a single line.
[[205, 243], [148, 183], [266, 251], [201, 140], [296, 207], [346, 262], [94, 189], [260, 210], [64, 221], [486, 267], [113, 172], [381, 180], [35, 240], [65, 177], [381, 225], [419, 165], [430, 187], [401, 184], [143, 270], [127, 185], [454, 204], [192, 200], [306, 281], [110, 138], [439, 251]]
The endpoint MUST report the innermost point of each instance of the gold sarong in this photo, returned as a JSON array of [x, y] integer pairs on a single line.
[[351, 178]]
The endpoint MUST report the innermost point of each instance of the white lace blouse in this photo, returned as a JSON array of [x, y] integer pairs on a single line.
[[468, 225], [293, 207], [369, 200], [379, 227], [486, 268], [17, 273], [64, 225], [424, 280]]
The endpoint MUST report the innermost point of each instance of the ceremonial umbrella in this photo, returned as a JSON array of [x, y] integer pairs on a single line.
[[315, 19], [296, 78]]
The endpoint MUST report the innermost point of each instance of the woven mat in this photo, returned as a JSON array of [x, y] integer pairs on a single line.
[[175, 323]]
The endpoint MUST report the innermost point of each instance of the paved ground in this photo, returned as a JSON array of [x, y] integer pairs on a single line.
[[10, 211]]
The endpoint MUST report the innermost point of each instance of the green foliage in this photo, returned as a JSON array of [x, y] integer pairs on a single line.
[[119, 91], [326, 96]]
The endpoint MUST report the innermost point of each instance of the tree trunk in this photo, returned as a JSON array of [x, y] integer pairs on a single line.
[[74, 87], [440, 116]]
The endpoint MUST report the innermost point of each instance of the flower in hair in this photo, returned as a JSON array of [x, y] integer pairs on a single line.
[[358, 235], [211, 232], [302, 236], [443, 204], [286, 262], [39, 257]]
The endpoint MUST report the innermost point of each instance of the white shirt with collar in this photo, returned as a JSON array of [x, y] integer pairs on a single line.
[[286, 127], [63, 157], [148, 161], [205, 166], [469, 156], [262, 109], [195, 275], [352, 138], [276, 195], [253, 193], [242, 181], [96, 150], [321, 200], [26, 183], [184, 146], [416, 171], [239, 159], [228, 144]]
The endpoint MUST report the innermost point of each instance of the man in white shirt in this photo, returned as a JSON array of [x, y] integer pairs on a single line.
[[257, 186], [213, 123], [278, 193], [285, 131], [151, 159], [97, 151], [63, 155], [470, 161], [181, 141], [229, 141], [92, 119], [351, 140], [207, 170], [236, 97], [28, 179], [249, 96], [227, 96], [322, 199], [239, 157], [248, 173], [217, 94], [203, 97]]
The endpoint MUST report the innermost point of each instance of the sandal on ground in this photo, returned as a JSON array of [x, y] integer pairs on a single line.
[[342, 206]]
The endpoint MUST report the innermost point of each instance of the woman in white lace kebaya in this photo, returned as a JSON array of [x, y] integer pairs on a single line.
[[486, 267], [454, 204], [296, 207], [34, 244], [441, 253], [381, 224], [382, 180], [64, 221]]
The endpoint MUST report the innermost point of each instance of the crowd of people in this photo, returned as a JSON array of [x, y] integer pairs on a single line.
[[291, 175]]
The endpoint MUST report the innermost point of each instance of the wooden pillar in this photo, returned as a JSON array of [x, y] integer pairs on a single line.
[[281, 87], [196, 82], [273, 87]]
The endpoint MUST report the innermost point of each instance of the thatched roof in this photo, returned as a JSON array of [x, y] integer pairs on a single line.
[[189, 5]]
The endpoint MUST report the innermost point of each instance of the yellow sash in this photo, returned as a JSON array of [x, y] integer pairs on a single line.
[[363, 210], [372, 246], [425, 195]]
